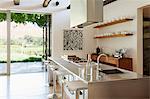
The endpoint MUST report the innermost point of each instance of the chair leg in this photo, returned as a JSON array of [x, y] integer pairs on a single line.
[[53, 95], [54, 82], [62, 90], [77, 94], [73, 77]]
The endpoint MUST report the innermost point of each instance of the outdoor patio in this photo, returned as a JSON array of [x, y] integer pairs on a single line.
[[23, 67]]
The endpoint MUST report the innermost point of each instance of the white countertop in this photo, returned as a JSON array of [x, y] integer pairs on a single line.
[[78, 70]]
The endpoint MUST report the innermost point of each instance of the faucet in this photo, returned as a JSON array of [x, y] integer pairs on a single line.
[[98, 59]]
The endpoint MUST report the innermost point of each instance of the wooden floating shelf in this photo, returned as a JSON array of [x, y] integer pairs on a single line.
[[114, 22], [111, 36]]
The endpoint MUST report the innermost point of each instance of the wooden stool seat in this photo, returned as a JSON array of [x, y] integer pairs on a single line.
[[76, 85]]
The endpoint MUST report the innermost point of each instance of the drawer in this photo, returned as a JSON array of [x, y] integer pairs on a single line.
[[113, 61]]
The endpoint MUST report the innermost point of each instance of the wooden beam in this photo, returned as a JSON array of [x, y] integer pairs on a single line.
[[68, 7], [108, 2], [46, 3]]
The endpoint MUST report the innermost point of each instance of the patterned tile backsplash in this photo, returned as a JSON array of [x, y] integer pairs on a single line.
[[73, 39]]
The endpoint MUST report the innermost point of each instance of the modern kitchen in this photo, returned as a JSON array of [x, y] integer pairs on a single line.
[[103, 50], [98, 49]]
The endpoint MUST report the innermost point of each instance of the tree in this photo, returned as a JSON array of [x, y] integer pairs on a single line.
[[28, 39], [2, 17], [22, 18]]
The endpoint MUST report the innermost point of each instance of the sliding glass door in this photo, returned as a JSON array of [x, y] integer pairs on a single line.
[[23, 42], [3, 45]]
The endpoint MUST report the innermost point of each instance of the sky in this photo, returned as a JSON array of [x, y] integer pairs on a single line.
[[19, 30]]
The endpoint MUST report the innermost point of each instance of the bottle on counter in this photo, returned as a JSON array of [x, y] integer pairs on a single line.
[[98, 50], [88, 65]]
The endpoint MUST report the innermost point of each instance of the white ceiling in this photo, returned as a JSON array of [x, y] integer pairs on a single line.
[[35, 6]]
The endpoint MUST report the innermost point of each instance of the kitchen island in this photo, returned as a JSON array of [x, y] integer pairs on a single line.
[[123, 85]]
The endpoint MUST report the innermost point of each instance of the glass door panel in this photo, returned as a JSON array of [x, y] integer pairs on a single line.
[[26, 48], [3, 46]]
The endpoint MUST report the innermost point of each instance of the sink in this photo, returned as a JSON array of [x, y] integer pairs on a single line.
[[111, 71]]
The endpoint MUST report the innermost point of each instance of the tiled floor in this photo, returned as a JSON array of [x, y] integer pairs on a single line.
[[24, 86]]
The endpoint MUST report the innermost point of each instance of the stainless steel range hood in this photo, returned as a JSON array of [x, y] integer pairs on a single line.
[[86, 12]]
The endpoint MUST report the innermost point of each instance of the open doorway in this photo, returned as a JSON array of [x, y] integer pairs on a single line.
[[146, 41], [29, 42], [26, 47]]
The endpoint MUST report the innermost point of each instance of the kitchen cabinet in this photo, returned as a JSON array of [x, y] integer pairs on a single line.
[[124, 63]]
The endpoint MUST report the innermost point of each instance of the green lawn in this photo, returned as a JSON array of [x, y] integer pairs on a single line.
[[19, 53]]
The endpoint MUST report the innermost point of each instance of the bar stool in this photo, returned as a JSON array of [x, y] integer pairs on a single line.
[[45, 63], [50, 74], [77, 86], [53, 95], [56, 72], [62, 79]]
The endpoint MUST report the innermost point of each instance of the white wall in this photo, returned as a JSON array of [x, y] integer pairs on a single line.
[[116, 10], [60, 21]]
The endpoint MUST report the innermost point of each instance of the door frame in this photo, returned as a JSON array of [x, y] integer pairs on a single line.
[[140, 56], [8, 19]]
